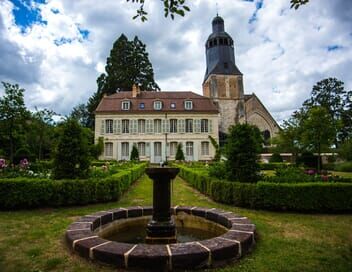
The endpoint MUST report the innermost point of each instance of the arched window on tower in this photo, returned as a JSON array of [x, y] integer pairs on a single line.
[[226, 41], [215, 42], [266, 137]]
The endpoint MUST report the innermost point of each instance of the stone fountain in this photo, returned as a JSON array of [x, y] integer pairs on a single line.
[[232, 235], [161, 229]]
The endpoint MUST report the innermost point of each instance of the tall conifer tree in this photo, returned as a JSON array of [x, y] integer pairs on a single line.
[[127, 64]]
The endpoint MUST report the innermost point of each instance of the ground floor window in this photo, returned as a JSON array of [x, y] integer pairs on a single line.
[[108, 149], [189, 148], [125, 150], [173, 148], [157, 149], [205, 148], [141, 149]]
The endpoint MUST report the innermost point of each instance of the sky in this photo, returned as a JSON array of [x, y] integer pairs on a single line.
[[56, 49]]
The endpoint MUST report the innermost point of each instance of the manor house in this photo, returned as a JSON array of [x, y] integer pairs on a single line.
[[157, 121]]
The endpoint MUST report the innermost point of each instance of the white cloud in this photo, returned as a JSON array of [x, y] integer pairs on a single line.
[[281, 54]]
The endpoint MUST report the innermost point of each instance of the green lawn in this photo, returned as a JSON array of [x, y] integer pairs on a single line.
[[34, 240]]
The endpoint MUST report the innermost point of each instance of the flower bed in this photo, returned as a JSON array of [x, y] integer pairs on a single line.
[[24, 192]]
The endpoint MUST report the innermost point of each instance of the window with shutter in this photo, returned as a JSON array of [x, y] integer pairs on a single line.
[[147, 149], [114, 127], [108, 149], [181, 123], [108, 126], [197, 126], [173, 125], [204, 125], [102, 128], [141, 126], [134, 126], [157, 126], [210, 123], [205, 149], [118, 126], [125, 126], [189, 125]]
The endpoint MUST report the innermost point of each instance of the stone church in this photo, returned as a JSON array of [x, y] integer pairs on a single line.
[[223, 83], [157, 122]]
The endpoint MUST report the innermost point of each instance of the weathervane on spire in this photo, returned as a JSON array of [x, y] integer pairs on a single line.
[[217, 9]]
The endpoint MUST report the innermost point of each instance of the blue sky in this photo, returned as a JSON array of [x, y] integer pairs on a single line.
[[56, 49]]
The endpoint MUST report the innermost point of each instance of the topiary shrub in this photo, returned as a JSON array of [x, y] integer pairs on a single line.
[[134, 154], [179, 153], [242, 149], [72, 155]]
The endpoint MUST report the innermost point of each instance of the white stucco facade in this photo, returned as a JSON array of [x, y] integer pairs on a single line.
[[157, 135]]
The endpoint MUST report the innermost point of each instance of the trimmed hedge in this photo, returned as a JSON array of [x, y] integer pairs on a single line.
[[28, 193], [307, 197]]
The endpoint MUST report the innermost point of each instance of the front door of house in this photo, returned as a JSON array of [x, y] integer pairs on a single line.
[[157, 152], [125, 151]]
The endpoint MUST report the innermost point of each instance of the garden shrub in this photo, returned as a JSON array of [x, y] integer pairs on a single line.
[[23, 153], [72, 158], [218, 169], [322, 197], [244, 143], [180, 156], [306, 197], [344, 167], [28, 192], [276, 157], [309, 160]]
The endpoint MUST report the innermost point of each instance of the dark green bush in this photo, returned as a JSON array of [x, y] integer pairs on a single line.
[[309, 160], [344, 167], [41, 166], [218, 169], [306, 197], [322, 197], [23, 153], [276, 157], [290, 175], [27, 193]]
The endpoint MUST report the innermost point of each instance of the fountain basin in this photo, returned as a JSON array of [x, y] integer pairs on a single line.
[[85, 237]]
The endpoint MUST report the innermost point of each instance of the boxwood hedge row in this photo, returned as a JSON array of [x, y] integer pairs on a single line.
[[306, 197], [21, 192]]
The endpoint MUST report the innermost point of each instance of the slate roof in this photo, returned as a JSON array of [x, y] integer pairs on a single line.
[[113, 103]]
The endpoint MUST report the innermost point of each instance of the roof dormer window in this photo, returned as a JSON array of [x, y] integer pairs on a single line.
[[158, 105], [126, 105], [141, 106], [188, 105]]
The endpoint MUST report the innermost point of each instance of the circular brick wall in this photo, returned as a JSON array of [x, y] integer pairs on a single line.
[[82, 237]]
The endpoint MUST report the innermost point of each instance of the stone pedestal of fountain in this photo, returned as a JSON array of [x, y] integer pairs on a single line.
[[161, 229]]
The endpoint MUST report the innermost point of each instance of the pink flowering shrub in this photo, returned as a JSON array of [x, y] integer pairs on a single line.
[[2, 164]]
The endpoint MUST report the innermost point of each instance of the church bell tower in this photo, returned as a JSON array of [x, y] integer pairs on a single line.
[[223, 80]]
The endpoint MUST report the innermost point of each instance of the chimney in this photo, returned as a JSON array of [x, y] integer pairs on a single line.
[[135, 90]]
